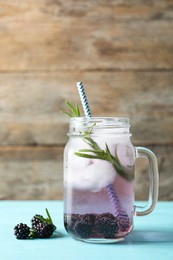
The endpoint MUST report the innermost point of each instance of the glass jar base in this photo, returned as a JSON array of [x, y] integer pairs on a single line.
[[100, 240]]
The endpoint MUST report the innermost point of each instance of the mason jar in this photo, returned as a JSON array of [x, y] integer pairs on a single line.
[[99, 166]]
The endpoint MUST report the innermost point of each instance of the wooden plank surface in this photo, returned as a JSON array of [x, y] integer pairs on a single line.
[[31, 104], [64, 35], [31, 173], [123, 53], [36, 173]]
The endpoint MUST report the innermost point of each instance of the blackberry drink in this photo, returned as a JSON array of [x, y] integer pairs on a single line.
[[98, 176], [98, 179]]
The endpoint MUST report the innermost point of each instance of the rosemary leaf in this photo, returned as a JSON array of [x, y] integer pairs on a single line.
[[87, 151], [87, 155], [92, 143], [108, 153], [78, 111], [68, 114], [75, 110]]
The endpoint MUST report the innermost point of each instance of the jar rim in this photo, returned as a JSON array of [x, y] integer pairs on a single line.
[[111, 124], [115, 121]]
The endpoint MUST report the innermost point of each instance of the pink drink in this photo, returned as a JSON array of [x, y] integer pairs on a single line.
[[99, 195]]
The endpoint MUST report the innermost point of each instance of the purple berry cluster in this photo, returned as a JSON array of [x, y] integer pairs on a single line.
[[41, 228], [94, 226]]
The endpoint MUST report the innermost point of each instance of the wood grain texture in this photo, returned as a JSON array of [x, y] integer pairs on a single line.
[[31, 173], [164, 156], [68, 35], [31, 104]]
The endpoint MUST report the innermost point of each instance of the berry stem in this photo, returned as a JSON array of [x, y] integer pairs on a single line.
[[32, 233], [50, 219]]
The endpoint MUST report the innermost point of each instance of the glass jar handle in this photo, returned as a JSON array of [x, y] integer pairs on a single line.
[[154, 181]]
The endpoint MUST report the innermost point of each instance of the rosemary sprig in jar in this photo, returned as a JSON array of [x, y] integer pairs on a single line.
[[96, 152]]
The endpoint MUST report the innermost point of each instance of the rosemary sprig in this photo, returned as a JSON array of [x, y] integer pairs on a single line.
[[97, 153], [74, 110]]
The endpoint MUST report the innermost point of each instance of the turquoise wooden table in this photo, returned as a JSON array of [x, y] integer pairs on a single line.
[[152, 237]]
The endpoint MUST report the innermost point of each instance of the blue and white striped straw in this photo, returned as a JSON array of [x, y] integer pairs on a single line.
[[83, 99], [120, 214]]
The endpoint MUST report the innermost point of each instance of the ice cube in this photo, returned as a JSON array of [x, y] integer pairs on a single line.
[[76, 162], [99, 175], [76, 179], [125, 154], [94, 177]]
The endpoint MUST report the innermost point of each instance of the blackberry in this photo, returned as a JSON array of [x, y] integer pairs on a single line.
[[21, 231], [43, 227], [82, 229], [36, 220], [69, 221], [106, 225], [83, 226], [73, 218], [44, 230]]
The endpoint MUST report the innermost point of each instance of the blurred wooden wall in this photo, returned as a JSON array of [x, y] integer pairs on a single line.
[[123, 53]]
